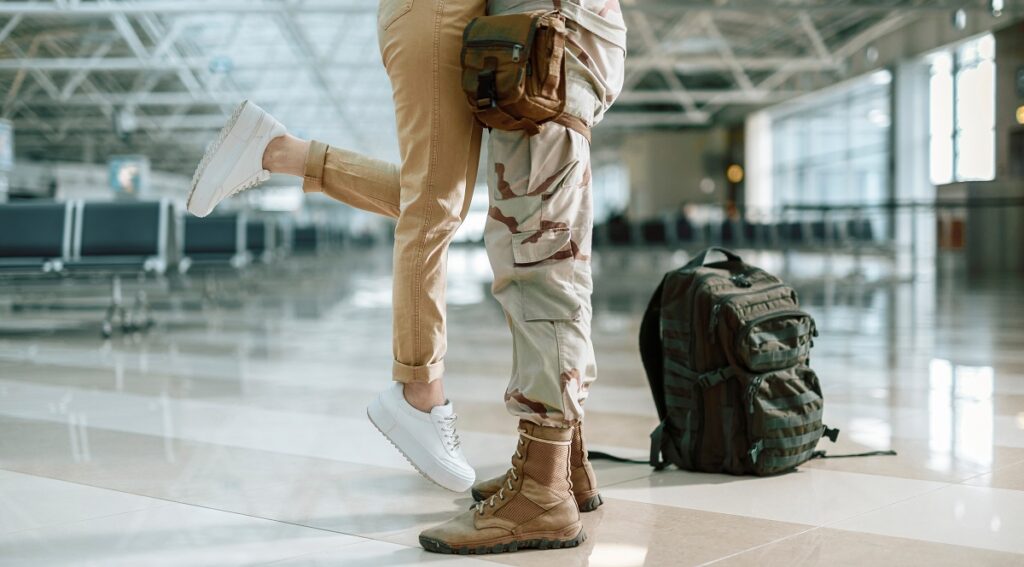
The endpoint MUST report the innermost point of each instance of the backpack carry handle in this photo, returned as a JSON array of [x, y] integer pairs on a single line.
[[702, 256]]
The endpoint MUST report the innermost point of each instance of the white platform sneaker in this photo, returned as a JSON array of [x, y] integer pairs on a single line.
[[234, 162], [427, 440]]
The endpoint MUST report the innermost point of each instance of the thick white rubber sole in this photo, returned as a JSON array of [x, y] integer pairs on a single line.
[[413, 451]]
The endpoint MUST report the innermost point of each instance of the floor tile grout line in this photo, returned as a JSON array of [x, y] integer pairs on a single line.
[[623, 481], [168, 502], [759, 546], [831, 525], [79, 521], [993, 471]]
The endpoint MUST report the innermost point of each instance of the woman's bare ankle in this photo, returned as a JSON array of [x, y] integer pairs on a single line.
[[425, 396], [286, 154]]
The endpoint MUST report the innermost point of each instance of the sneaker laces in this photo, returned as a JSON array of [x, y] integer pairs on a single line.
[[451, 437], [500, 495]]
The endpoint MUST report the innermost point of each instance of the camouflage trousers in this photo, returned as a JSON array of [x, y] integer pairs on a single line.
[[538, 238], [538, 232]]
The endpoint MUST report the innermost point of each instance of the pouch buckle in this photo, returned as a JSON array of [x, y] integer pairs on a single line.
[[486, 90]]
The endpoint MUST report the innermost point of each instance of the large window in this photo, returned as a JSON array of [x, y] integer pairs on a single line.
[[834, 147], [962, 105]]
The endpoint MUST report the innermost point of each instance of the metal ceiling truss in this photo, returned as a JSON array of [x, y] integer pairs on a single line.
[[705, 57], [148, 75]]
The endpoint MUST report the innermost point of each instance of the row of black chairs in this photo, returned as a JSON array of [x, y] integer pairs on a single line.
[[140, 239], [680, 231], [79, 236]]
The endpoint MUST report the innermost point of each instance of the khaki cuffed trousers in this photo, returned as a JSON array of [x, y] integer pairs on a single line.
[[429, 195], [538, 232]]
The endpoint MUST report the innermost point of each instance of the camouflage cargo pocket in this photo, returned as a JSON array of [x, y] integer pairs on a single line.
[[545, 273]]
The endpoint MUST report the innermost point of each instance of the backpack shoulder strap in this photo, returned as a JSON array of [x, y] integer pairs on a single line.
[[651, 350], [652, 356]]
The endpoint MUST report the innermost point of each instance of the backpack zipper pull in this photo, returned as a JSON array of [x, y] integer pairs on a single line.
[[713, 323], [751, 392], [516, 53]]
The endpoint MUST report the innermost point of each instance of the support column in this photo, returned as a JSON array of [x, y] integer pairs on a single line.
[[6, 157], [913, 230]]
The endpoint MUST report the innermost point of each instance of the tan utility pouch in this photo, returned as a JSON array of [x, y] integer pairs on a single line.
[[513, 71]]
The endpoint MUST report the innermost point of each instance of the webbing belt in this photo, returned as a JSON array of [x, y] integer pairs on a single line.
[[790, 401], [799, 330], [787, 461], [659, 446], [776, 356], [793, 420], [574, 123], [796, 441]]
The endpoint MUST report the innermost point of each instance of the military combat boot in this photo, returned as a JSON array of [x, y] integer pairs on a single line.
[[584, 482], [534, 507]]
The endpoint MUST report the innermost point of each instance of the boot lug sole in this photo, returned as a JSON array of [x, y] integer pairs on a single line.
[[590, 504], [438, 546]]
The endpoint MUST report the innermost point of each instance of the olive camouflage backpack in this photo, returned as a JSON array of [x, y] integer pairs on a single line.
[[726, 346]]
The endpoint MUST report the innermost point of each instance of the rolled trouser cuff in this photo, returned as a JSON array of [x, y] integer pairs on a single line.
[[425, 374], [313, 176]]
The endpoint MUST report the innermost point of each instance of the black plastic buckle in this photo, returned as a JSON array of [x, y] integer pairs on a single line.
[[741, 280], [486, 90]]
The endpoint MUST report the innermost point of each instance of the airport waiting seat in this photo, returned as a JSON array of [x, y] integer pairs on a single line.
[[121, 236], [654, 232], [685, 231], [336, 238], [825, 233], [282, 239], [216, 241], [728, 234], [258, 240], [117, 239], [305, 239], [35, 237], [757, 235], [620, 231], [792, 233], [860, 230]]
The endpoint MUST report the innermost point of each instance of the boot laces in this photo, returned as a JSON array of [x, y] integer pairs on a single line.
[[509, 477], [451, 437]]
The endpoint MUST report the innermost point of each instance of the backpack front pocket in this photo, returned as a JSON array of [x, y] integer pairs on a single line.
[[774, 341], [784, 410]]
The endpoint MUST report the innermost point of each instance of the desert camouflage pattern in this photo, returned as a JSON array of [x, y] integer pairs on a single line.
[[538, 232]]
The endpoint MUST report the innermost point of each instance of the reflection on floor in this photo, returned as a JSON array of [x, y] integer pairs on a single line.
[[234, 433]]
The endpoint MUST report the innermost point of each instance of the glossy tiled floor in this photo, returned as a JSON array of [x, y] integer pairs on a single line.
[[234, 433]]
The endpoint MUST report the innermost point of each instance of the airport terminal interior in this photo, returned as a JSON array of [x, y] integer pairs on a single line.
[[179, 391]]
